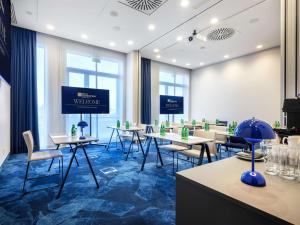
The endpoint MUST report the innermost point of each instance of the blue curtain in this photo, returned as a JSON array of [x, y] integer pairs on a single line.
[[146, 91], [23, 88]]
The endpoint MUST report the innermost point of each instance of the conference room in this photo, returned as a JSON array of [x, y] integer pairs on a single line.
[[159, 112]]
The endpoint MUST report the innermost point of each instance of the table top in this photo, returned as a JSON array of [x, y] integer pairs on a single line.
[[220, 132], [191, 125], [280, 197], [64, 139], [122, 128], [192, 140]]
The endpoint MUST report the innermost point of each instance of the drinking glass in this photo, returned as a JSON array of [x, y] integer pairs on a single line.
[[288, 162], [271, 157]]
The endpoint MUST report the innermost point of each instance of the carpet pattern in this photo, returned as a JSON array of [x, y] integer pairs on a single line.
[[127, 196]]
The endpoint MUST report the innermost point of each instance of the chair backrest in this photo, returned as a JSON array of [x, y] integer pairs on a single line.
[[209, 135], [27, 135], [223, 123], [239, 140], [220, 128]]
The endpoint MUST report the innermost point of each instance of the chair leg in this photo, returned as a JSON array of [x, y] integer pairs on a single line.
[[50, 164], [58, 165], [62, 169], [173, 162], [26, 175], [177, 163]]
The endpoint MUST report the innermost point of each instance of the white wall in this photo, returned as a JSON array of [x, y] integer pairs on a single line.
[[238, 89], [4, 120]]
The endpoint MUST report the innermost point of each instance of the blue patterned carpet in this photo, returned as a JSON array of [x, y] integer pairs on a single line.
[[127, 196]]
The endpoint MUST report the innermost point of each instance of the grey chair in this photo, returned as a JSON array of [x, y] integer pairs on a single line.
[[39, 155]]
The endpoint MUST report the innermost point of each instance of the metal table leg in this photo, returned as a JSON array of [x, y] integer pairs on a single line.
[[120, 140], [112, 133], [131, 143], [207, 152], [67, 173], [146, 153], [139, 140], [90, 165], [158, 152], [75, 155], [201, 155]]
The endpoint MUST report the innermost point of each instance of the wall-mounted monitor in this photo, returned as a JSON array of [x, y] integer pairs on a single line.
[[5, 21], [84, 100], [171, 104]]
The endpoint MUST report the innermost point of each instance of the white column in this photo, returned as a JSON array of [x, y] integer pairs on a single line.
[[133, 87]]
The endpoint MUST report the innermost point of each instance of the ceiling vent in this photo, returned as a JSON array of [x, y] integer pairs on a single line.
[[147, 7], [220, 34]]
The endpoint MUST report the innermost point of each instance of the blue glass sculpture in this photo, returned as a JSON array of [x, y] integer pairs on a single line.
[[82, 124], [254, 131]]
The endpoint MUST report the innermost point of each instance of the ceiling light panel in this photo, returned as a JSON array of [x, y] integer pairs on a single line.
[[147, 7]]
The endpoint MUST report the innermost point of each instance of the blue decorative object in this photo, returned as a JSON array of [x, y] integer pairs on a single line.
[[254, 131], [82, 124]]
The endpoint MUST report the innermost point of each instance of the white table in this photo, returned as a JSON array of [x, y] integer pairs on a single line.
[[135, 132], [79, 143], [192, 140], [218, 186]]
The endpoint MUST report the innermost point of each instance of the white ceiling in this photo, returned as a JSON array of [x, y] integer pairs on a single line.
[[72, 18]]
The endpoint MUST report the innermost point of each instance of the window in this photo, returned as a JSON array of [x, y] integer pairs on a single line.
[[176, 84], [86, 72], [42, 122]]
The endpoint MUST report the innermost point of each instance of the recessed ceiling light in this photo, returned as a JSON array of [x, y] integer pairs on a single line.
[[174, 60], [226, 56], [158, 56], [187, 64], [117, 28], [114, 13], [112, 44], [259, 46], [202, 63], [184, 3], [254, 20], [214, 20], [50, 27], [130, 42], [179, 38], [84, 36], [156, 50], [151, 27]]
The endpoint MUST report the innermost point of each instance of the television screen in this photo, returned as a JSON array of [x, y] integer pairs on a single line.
[[84, 100], [171, 104], [5, 40]]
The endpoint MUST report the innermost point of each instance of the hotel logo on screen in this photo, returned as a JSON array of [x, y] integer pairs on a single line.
[[84, 100], [171, 104]]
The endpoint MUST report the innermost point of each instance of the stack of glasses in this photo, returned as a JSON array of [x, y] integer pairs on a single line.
[[281, 159]]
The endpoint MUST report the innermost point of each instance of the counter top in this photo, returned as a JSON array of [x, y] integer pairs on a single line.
[[280, 197]]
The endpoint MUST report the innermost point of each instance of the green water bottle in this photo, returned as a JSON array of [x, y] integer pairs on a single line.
[[187, 133], [73, 130], [118, 124], [193, 122], [217, 121], [162, 130], [183, 132], [182, 122], [167, 123], [127, 124]]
